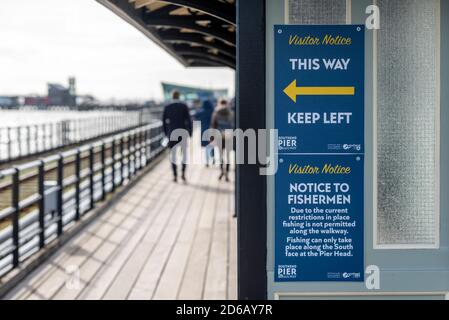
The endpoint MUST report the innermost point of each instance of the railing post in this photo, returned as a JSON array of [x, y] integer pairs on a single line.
[[151, 143], [41, 190], [103, 125], [60, 183], [140, 117], [78, 130], [113, 163], [135, 151], [122, 160], [131, 159], [8, 142], [103, 171], [52, 135], [36, 138], [141, 148], [147, 146], [128, 144], [64, 132], [15, 217], [44, 137], [28, 140], [19, 140], [78, 182], [91, 177]]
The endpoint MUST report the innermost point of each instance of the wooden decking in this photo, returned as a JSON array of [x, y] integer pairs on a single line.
[[162, 240]]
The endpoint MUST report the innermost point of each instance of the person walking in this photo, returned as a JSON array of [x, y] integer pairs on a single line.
[[223, 120], [204, 115], [176, 116]]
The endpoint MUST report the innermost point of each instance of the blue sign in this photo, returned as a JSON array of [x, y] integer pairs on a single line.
[[319, 115]]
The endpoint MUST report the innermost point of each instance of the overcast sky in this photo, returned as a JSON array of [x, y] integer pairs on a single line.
[[50, 40]]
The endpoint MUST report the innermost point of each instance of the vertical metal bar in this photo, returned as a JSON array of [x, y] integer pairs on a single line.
[[251, 186], [147, 147], [78, 182], [128, 148], [151, 144], [36, 138], [68, 132], [41, 190], [135, 151], [103, 171], [141, 149], [63, 132], [19, 140], [52, 135], [78, 128], [15, 217], [28, 140], [122, 160], [60, 171], [130, 155], [8, 142], [113, 164], [44, 137], [48, 134], [91, 177]]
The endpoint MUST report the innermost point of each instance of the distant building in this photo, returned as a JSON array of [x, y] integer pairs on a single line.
[[9, 101], [59, 95], [36, 101], [190, 94]]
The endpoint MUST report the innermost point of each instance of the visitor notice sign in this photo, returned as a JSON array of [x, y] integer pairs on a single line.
[[319, 185]]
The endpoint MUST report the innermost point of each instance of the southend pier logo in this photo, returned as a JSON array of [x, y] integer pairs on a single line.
[[287, 271]]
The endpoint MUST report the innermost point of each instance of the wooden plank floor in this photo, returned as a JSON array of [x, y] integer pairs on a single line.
[[162, 240]]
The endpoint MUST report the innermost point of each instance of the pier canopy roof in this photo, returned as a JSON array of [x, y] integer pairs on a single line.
[[198, 33]]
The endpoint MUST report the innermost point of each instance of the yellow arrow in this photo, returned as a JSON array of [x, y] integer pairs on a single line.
[[292, 91]]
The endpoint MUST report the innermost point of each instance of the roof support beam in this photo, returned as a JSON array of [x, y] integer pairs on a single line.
[[193, 38], [217, 9], [198, 62], [189, 23], [142, 3], [186, 49], [161, 12], [208, 57], [179, 44]]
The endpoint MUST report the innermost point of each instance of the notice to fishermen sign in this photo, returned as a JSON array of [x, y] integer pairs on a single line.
[[319, 115]]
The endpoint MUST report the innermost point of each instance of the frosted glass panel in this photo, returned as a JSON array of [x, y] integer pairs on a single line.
[[407, 115], [317, 11]]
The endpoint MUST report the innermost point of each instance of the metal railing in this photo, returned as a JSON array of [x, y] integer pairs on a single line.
[[41, 199], [22, 141]]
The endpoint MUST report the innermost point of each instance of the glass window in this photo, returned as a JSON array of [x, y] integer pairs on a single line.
[[317, 11], [407, 122]]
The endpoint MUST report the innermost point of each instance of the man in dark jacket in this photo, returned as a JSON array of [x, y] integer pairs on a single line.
[[176, 116]]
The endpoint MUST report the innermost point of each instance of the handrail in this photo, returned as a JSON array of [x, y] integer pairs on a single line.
[[47, 195], [25, 141]]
